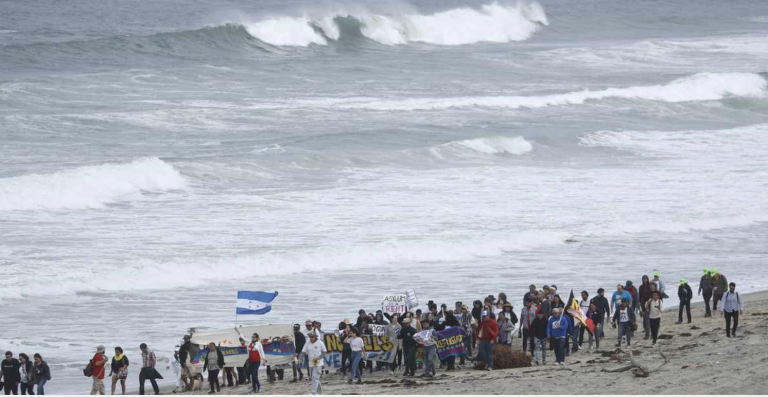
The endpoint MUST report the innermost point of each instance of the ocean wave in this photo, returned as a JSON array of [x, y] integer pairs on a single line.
[[698, 87], [484, 146], [460, 26], [87, 187], [142, 274]]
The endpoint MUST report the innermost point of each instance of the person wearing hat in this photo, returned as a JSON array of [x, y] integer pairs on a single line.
[[705, 286], [409, 347], [99, 363], [487, 332], [685, 294], [309, 326], [299, 340], [660, 284], [719, 287], [558, 328], [314, 351], [186, 370]]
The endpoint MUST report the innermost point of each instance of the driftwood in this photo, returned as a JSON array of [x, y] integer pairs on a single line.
[[638, 369]]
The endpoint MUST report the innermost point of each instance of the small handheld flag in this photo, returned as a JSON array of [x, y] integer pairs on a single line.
[[254, 302]]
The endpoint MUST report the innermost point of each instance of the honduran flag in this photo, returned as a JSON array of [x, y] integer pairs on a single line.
[[254, 302]]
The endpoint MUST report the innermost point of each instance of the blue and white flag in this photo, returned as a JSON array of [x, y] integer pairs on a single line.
[[254, 302]]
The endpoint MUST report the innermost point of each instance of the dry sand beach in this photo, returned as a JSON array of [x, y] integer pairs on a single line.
[[701, 361]]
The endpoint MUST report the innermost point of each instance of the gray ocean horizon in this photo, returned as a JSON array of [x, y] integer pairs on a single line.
[[157, 157]]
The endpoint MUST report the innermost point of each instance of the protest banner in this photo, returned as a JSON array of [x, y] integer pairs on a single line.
[[379, 330], [410, 299], [394, 304], [378, 348], [450, 343], [276, 339]]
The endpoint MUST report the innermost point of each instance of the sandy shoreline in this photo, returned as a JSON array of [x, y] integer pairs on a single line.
[[701, 361]]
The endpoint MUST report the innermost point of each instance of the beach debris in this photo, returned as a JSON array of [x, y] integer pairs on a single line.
[[685, 334], [638, 369], [666, 336]]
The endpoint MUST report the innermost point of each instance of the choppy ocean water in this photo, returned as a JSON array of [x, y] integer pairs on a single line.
[[155, 157]]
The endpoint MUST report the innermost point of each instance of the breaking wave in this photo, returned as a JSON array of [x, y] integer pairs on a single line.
[[484, 146], [87, 187], [460, 26], [698, 87]]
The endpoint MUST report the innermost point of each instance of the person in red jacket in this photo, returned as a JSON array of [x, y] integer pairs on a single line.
[[99, 362], [487, 332]]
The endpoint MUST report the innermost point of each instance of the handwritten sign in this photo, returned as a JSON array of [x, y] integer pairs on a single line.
[[394, 304]]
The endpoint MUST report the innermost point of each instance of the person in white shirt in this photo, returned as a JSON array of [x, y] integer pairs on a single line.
[[315, 351], [358, 354], [732, 306]]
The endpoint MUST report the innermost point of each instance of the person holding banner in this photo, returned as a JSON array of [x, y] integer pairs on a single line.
[[256, 357], [427, 339]]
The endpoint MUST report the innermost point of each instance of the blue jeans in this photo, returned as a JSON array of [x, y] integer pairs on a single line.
[[624, 330], [541, 346], [486, 352], [356, 358], [429, 359], [255, 376], [40, 385], [560, 349]]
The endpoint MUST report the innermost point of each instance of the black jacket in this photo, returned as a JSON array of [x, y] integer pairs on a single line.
[[116, 365], [219, 359], [184, 352], [406, 334], [684, 292], [11, 373], [299, 340], [539, 327], [603, 307], [42, 371]]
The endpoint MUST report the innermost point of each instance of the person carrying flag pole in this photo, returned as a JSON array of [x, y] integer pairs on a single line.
[[573, 308]]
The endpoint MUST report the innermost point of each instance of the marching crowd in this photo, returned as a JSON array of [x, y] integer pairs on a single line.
[[546, 322]]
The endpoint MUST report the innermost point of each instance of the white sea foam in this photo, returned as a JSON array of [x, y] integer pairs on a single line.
[[460, 26], [144, 274], [87, 187], [698, 87], [486, 146]]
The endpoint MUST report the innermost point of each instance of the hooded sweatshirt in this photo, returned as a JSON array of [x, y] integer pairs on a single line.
[[705, 284]]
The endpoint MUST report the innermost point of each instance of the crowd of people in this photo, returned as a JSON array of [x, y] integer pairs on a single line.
[[547, 322]]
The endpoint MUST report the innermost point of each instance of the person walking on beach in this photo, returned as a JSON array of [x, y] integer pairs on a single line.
[[719, 288], [119, 369], [557, 331], [527, 316], [530, 294], [624, 317], [10, 374], [99, 362], [653, 309], [645, 295], [315, 351], [630, 288], [685, 294], [393, 329], [26, 375], [604, 308], [733, 306], [357, 349], [487, 333], [213, 363], [42, 374], [148, 371], [299, 341], [538, 330], [427, 339], [186, 370], [619, 296], [596, 316], [309, 327], [409, 347], [705, 286]]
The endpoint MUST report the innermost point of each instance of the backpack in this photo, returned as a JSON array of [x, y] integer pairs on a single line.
[[88, 371]]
